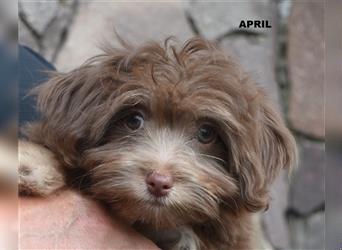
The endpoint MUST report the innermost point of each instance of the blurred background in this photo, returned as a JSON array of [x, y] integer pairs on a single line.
[[8, 133], [288, 60]]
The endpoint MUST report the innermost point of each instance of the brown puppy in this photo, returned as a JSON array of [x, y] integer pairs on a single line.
[[178, 140]]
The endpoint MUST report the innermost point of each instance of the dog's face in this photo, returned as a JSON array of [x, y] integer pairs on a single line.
[[164, 157], [167, 135]]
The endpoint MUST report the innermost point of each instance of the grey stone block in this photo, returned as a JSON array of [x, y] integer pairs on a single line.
[[274, 221], [307, 182], [307, 233], [135, 22], [39, 14], [306, 67], [256, 55], [44, 25]]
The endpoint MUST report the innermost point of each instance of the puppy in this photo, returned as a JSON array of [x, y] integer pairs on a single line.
[[177, 140]]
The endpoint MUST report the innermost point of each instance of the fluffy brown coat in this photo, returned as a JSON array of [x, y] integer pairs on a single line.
[[217, 186]]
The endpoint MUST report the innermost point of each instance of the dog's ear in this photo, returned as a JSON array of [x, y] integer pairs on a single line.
[[277, 144], [75, 108], [274, 149]]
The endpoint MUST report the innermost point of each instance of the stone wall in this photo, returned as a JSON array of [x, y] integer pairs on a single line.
[[286, 60]]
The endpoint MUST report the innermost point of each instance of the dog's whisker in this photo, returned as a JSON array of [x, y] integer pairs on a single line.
[[213, 157]]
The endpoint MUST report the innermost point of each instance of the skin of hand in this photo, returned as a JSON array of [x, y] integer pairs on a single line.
[[68, 220]]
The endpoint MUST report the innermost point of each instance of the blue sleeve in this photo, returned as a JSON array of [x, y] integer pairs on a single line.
[[33, 70], [8, 85]]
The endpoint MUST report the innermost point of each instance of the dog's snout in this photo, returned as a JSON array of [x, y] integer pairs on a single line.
[[159, 184]]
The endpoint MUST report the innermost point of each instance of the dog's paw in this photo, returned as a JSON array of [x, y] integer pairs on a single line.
[[39, 171]]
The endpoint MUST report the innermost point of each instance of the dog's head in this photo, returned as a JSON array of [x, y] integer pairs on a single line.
[[167, 134]]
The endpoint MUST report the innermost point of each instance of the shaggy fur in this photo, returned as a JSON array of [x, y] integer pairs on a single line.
[[176, 91]]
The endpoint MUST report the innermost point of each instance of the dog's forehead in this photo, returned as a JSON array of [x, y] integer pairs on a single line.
[[183, 101], [195, 88]]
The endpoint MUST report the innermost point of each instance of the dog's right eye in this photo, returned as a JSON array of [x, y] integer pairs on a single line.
[[134, 121], [206, 134]]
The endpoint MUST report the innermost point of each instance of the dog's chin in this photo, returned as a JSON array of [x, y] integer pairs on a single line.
[[159, 212]]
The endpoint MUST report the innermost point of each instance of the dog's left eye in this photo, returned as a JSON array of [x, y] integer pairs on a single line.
[[206, 134], [134, 121]]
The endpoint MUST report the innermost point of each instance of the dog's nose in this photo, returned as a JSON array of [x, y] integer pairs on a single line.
[[159, 184]]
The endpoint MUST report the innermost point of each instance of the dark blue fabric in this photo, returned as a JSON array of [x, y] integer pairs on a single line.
[[8, 83], [32, 71]]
